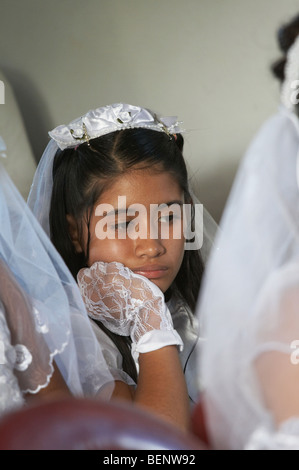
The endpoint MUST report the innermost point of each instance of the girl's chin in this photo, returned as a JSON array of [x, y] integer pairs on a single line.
[[161, 286]]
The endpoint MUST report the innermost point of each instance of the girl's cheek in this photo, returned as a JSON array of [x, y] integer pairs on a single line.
[[107, 251]]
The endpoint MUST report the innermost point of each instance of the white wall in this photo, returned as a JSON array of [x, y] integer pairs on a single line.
[[205, 60]]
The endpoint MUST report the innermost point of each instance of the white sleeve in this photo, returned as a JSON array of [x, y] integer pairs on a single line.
[[111, 355]]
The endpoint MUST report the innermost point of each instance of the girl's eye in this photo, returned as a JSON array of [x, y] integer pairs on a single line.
[[121, 225], [168, 218]]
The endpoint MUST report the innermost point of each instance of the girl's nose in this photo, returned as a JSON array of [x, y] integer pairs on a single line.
[[151, 245], [149, 248]]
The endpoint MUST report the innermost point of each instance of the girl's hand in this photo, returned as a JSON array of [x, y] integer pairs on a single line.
[[127, 304], [130, 304]]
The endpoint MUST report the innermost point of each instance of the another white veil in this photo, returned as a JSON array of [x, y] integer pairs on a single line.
[[50, 322], [250, 295]]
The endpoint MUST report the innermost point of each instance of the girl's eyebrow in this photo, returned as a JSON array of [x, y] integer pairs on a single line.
[[163, 204], [117, 211]]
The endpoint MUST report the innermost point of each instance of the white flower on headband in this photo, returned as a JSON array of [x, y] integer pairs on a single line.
[[290, 86], [108, 119], [124, 116]]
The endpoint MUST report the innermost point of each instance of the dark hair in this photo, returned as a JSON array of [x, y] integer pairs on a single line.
[[286, 37], [81, 175]]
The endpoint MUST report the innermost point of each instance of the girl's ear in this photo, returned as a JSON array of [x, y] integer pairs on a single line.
[[74, 233]]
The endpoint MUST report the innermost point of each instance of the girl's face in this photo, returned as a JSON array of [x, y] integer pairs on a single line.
[[134, 232]]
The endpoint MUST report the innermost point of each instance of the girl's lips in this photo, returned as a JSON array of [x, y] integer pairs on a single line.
[[151, 272]]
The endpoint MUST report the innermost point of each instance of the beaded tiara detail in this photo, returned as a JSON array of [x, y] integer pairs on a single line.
[[110, 118]]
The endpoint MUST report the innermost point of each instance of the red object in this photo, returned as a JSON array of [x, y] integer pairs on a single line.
[[90, 425], [198, 423]]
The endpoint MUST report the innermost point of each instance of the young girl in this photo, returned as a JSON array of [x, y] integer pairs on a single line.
[[140, 287]]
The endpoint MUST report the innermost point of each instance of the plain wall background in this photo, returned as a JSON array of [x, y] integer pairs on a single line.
[[206, 61]]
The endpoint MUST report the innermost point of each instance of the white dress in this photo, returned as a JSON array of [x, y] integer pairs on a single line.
[[188, 356]]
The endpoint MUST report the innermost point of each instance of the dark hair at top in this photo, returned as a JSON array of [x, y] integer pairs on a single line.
[[81, 175], [286, 37]]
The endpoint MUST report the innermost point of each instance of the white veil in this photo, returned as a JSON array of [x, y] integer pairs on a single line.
[[49, 322], [249, 301]]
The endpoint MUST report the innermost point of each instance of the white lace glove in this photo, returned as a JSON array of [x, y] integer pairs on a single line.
[[129, 305]]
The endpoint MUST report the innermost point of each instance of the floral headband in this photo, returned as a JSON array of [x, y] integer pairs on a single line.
[[111, 118]]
